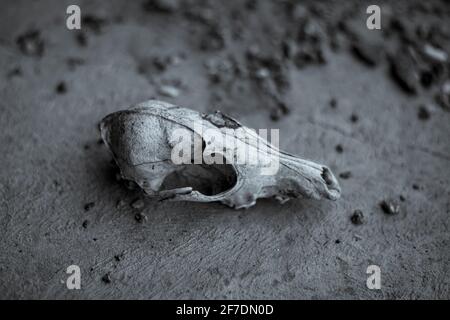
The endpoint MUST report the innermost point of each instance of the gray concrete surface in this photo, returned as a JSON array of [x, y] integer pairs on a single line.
[[52, 166]]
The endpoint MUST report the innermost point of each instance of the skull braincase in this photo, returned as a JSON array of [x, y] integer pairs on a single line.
[[141, 142]]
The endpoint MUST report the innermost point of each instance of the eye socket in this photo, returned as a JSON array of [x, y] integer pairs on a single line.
[[209, 180]]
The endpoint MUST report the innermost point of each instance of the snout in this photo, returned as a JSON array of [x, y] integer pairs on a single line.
[[332, 188]]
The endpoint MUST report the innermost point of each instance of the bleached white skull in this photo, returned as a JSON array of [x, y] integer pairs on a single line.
[[143, 142]]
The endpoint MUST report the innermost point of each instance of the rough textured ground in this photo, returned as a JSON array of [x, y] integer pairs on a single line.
[[52, 166]]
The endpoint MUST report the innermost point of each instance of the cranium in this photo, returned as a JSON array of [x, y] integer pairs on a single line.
[[142, 143]]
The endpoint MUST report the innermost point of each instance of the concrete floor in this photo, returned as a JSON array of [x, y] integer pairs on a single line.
[[52, 166]]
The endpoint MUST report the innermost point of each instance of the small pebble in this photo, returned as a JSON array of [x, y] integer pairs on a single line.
[[119, 257], [31, 43], [403, 71], [443, 97], [15, 72], [333, 103], [93, 22], [357, 237], [357, 217], [435, 54], [423, 113], [139, 217], [138, 204], [275, 114], [390, 207], [169, 91], [345, 175], [88, 206], [81, 39], [61, 88], [366, 53], [106, 278]]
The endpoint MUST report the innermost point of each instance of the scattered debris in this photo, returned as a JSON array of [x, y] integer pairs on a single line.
[[310, 50], [93, 22], [357, 237], [85, 224], [357, 217], [403, 71], [31, 43], [169, 91], [366, 53], [426, 78], [390, 207], [354, 118], [15, 72], [61, 88], [423, 113], [81, 38], [222, 71], [443, 97], [155, 65], [106, 278], [88, 206], [119, 257], [269, 72], [140, 217], [161, 6], [345, 175], [213, 39], [333, 103], [434, 53], [138, 204]]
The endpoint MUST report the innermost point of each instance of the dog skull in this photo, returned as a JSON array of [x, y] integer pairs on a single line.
[[142, 143]]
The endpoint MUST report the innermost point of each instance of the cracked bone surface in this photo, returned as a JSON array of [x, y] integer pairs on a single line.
[[142, 142]]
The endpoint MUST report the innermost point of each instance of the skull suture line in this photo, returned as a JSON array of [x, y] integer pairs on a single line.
[[142, 142]]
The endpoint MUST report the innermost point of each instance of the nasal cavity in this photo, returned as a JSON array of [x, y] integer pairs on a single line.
[[327, 176], [333, 189]]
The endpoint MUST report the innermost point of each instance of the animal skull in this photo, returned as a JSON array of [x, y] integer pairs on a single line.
[[142, 143]]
